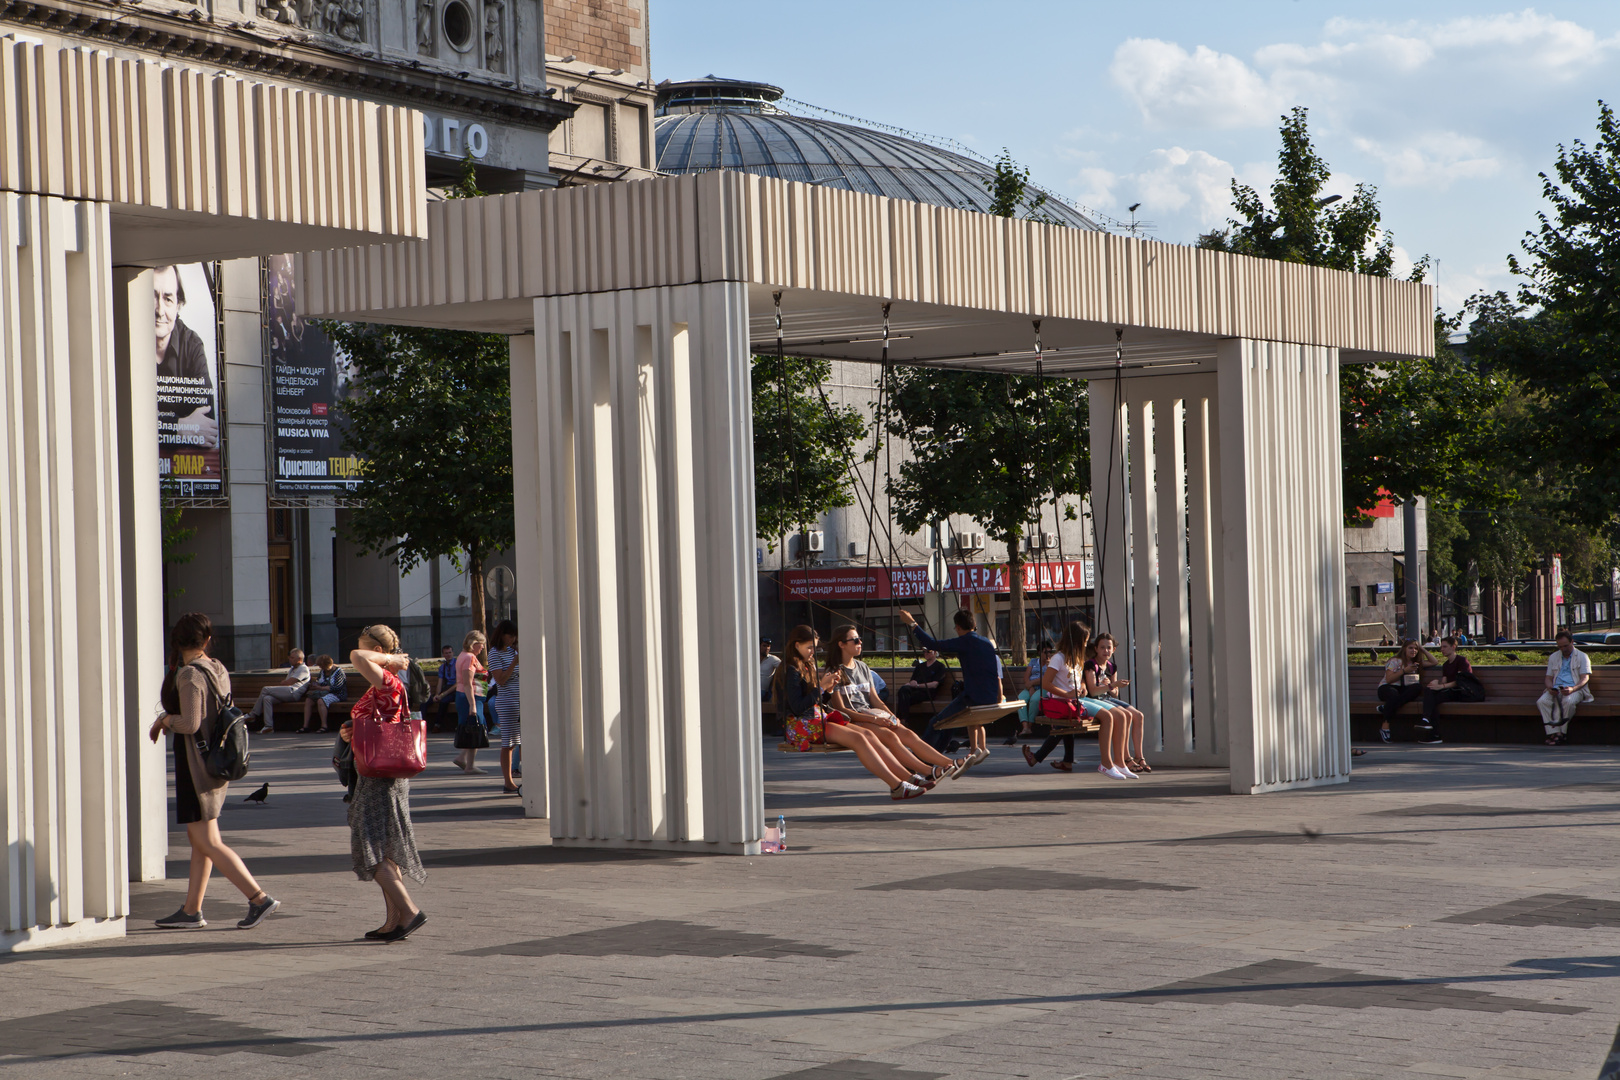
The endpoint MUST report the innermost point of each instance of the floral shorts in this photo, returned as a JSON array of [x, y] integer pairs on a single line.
[[803, 732]]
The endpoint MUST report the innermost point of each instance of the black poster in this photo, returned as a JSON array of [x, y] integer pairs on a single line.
[[191, 459], [307, 380]]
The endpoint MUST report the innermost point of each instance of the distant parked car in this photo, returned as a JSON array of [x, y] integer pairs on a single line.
[[1598, 637]]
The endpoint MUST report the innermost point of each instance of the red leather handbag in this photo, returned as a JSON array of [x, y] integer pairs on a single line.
[[387, 747]]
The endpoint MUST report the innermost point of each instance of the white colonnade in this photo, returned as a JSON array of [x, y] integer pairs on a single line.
[[1220, 560]]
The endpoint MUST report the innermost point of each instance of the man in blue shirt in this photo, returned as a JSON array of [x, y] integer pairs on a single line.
[[981, 677], [1568, 672]]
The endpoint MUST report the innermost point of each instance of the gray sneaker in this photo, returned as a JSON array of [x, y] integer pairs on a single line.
[[257, 912], [181, 921]]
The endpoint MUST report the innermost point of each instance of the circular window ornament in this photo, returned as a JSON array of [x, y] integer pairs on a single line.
[[457, 21]]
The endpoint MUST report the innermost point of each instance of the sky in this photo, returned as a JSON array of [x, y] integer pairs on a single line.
[[1449, 110]]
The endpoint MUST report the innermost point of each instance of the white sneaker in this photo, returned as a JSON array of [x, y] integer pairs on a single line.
[[1126, 769], [1111, 771]]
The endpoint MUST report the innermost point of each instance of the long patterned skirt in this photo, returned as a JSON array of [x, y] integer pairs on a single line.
[[380, 828]]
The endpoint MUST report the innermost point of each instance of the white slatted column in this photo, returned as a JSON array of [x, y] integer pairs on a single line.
[[63, 875], [642, 427], [1282, 588]]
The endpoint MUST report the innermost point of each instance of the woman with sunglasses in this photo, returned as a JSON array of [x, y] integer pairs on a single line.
[[799, 693], [855, 698]]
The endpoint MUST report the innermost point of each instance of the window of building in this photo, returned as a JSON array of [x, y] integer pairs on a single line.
[[1355, 596]]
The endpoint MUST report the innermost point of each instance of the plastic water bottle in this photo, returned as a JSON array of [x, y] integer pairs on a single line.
[[781, 832]]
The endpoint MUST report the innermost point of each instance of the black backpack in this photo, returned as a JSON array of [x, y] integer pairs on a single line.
[[416, 686], [226, 755]]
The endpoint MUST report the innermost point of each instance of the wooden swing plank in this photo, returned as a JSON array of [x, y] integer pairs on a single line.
[[980, 715]]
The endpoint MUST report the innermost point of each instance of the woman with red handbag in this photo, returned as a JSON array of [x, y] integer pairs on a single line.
[[1063, 699], [390, 746]]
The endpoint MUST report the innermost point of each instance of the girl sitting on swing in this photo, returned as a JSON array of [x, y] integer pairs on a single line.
[[855, 699], [799, 692]]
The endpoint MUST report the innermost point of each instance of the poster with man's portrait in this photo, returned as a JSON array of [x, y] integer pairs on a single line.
[[191, 463]]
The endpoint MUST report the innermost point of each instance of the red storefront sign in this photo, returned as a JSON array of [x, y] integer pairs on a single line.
[[1038, 577], [855, 583]]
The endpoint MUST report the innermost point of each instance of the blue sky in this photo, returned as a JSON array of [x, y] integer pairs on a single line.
[[1449, 109]]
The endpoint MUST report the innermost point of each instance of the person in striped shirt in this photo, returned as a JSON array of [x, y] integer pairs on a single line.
[[325, 690], [503, 668]]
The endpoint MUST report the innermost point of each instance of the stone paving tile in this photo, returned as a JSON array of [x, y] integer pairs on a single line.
[[1010, 924]]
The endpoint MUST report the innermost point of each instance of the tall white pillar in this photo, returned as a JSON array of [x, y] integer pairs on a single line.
[[141, 568], [640, 566], [64, 870], [527, 464], [1285, 683]]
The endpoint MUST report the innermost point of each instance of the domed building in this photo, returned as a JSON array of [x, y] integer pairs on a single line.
[[707, 124]]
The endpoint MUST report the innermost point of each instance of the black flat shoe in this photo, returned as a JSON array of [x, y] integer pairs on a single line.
[[377, 934], [400, 933]]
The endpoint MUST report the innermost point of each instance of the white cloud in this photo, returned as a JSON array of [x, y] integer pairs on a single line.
[[1435, 160], [1183, 192], [1203, 88]]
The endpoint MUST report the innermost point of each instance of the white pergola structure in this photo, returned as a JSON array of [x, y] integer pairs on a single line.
[[109, 166], [634, 310]]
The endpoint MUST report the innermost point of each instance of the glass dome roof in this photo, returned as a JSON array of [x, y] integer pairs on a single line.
[[709, 124]]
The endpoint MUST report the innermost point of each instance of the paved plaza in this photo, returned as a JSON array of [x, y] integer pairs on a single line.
[[1451, 912]]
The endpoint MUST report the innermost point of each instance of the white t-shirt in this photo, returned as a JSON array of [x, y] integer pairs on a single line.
[[1062, 674]]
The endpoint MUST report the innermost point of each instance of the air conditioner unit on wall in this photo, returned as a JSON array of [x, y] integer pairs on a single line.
[[814, 541], [968, 542], [1049, 541], [857, 549]]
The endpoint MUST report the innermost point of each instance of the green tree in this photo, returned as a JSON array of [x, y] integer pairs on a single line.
[[802, 446], [175, 536], [991, 447], [431, 421], [1568, 354], [1407, 428]]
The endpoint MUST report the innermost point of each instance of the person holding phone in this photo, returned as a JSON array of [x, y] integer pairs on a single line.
[[1403, 680], [1102, 682], [855, 698], [801, 695]]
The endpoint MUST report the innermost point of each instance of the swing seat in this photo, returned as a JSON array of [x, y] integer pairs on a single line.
[[815, 748], [980, 715]]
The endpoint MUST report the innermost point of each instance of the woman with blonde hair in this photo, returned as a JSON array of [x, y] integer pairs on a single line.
[[382, 843], [1065, 698], [855, 698], [799, 694], [470, 693], [194, 690]]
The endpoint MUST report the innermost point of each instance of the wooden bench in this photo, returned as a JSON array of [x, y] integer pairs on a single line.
[[289, 715], [1510, 701]]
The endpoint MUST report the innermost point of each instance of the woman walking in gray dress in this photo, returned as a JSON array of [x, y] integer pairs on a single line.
[[195, 688], [380, 837]]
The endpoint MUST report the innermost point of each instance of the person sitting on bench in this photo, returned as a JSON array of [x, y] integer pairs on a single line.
[[855, 698], [1403, 680], [327, 689], [291, 689], [1568, 672], [1449, 685], [1031, 694], [799, 694], [926, 675], [981, 677]]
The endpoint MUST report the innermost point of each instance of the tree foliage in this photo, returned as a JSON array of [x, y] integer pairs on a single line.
[[1408, 428], [1568, 352], [802, 446], [990, 447], [431, 420]]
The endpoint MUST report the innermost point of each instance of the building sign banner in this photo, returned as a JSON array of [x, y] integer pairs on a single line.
[[191, 462], [307, 380], [1038, 577], [855, 583], [1557, 579]]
